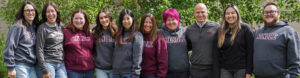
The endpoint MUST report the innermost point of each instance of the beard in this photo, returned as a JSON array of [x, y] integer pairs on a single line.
[[272, 22]]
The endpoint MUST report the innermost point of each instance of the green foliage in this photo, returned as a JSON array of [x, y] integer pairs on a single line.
[[66, 8], [3, 69], [250, 10]]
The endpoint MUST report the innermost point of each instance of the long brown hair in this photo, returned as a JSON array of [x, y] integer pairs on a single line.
[[121, 30], [98, 29], [86, 26], [44, 17], [153, 32], [20, 15], [224, 28]]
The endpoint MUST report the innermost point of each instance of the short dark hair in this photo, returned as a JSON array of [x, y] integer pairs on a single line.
[[272, 3]]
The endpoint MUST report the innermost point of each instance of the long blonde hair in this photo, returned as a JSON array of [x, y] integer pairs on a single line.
[[224, 28]]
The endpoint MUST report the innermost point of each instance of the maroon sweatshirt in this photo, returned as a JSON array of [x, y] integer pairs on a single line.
[[155, 57], [78, 50]]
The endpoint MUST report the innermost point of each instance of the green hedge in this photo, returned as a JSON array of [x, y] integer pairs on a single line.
[[251, 11], [3, 69]]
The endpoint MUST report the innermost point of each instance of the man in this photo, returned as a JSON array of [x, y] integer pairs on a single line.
[[276, 47], [200, 37]]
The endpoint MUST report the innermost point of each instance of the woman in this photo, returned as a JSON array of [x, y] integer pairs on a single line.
[[19, 53], [104, 33], [78, 46], [127, 55], [155, 55], [174, 33], [49, 43], [234, 46]]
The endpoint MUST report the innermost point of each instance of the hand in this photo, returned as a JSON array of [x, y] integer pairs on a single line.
[[248, 76], [12, 73], [48, 75]]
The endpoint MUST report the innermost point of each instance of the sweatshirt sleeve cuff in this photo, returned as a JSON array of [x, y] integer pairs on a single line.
[[45, 72], [293, 76], [10, 68]]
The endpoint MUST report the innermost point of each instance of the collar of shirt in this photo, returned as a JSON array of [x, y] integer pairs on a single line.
[[200, 25], [51, 25]]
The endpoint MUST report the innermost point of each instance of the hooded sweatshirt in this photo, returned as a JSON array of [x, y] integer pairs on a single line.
[[177, 49], [104, 47], [20, 46], [155, 57], [127, 58], [49, 45], [276, 51], [78, 48]]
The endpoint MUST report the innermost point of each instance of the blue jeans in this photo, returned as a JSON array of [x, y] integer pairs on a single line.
[[39, 73], [25, 71], [80, 74], [122, 75], [103, 73], [57, 70]]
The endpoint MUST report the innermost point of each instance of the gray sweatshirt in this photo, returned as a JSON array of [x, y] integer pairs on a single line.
[[200, 41], [20, 46], [276, 51], [128, 57], [104, 47], [49, 45], [177, 49]]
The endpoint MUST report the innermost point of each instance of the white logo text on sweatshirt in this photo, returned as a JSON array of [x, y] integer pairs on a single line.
[[267, 36], [174, 39], [80, 38]]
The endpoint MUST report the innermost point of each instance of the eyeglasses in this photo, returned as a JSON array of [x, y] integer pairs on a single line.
[[29, 10], [269, 12]]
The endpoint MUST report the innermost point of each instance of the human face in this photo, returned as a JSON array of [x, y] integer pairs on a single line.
[[271, 15], [104, 20], [51, 15], [78, 21], [148, 25], [127, 21], [200, 13], [29, 13], [230, 16], [171, 23]]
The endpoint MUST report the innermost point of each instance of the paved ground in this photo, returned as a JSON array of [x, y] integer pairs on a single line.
[[296, 25]]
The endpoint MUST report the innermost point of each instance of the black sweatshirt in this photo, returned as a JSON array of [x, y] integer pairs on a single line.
[[236, 55]]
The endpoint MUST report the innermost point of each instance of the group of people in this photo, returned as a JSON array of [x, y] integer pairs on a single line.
[[229, 49]]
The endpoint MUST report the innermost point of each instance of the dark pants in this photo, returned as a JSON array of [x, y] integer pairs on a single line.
[[278, 76], [177, 74], [80, 74], [233, 73], [148, 77], [200, 72]]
